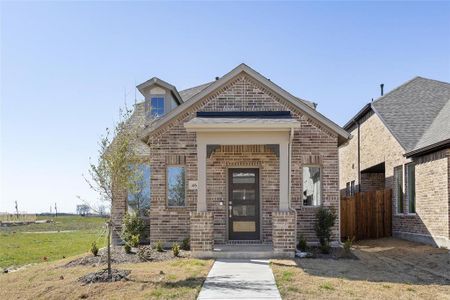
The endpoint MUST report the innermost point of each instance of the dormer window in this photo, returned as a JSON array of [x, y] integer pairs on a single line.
[[157, 106]]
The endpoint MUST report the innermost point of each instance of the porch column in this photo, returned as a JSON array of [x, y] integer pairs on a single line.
[[284, 176], [201, 176]]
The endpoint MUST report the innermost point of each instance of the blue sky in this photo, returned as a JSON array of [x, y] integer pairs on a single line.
[[66, 68]]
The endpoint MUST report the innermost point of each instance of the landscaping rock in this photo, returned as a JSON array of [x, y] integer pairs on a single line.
[[102, 276], [119, 256], [147, 253]]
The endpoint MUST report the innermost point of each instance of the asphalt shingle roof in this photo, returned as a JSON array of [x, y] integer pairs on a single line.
[[190, 92], [417, 113]]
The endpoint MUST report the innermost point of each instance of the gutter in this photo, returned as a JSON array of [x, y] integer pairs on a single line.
[[430, 148], [366, 108]]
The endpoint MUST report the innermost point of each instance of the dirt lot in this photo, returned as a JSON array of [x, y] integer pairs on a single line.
[[385, 269]]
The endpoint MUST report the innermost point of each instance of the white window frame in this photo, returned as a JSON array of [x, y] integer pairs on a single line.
[[321, 185], [407, 189], [167, 186], [402, 190]]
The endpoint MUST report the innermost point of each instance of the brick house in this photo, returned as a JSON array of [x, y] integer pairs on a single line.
[[401, 141], [235, 161]]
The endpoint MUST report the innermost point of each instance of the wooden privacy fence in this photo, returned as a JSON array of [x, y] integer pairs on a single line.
[[367, 215]]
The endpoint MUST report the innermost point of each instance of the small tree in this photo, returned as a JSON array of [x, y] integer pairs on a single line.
[[325, 219], [114, 170]]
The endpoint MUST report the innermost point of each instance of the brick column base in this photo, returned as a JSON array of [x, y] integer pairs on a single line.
[[284, 232], [202, 228]]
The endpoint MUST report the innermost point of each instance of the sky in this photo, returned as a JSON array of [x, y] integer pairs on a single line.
[[67, 68]]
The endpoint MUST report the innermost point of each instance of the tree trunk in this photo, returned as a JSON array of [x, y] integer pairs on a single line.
[[109, 249]]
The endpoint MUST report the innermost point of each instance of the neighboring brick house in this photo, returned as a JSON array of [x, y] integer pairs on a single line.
[[401, 141], [237, 160]]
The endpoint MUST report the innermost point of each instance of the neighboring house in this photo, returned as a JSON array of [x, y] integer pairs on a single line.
[[401, 141], [236, 160]]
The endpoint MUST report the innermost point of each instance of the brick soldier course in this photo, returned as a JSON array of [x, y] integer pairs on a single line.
[[302, 138]]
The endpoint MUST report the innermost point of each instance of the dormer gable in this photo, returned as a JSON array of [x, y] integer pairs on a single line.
[[160, 97]]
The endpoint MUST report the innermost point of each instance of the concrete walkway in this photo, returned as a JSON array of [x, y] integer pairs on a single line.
[[240, 279]]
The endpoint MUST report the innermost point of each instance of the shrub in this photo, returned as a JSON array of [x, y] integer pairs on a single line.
[[176, 249], [132, 225], [134, 240], [186, 244], [159, 246], [131, 230], [348, 244], [325, 219], [127, 248], [302, 245], [94, 249]]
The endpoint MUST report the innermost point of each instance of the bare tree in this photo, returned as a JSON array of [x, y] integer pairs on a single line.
[[83, 209], [115, 169], [102, 210]]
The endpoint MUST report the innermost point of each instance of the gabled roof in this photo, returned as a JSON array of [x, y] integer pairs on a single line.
[[410, 109], [190, 92], [437, 134], [242, 68], [417, 113], [162, 83]]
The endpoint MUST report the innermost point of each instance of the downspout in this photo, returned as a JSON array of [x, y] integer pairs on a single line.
[[291, 138], [359, 157]]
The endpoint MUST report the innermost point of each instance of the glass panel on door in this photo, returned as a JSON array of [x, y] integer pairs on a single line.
[[243, 204]]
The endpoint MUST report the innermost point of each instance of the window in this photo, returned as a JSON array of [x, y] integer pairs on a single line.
[[398, 188], [347, 189], [411, 187], [139, 198], [157, 106], [176, 190], [311, 186], [352, 188]]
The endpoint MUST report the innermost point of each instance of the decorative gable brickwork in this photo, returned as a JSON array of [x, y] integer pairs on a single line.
[[313, 143]]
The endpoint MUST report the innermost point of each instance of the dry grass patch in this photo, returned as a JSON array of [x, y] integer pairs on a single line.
[[336, 279], [178, 279], [385, 269]]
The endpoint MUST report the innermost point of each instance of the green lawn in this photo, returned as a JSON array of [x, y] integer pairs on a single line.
[[20, 245]]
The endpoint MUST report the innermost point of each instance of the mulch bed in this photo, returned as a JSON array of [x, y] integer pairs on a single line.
[[119, 256], [102, 276]]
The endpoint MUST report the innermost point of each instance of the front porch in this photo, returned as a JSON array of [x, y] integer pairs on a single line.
[[243, 188], [283, 245]]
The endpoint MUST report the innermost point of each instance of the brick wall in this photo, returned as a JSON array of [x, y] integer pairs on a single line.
[[118, 211], [284, 231], [255, 156], [431, 220], [312, 144], [201, 231], [377, 146], [432, 206], [372, 182]]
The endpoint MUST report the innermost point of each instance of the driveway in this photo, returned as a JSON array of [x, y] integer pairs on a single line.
[[240, 279]]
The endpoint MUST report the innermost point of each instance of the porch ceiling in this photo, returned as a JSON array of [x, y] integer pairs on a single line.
[[241, 124]]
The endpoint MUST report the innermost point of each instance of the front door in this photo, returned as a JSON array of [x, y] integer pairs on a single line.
[[243, 204]]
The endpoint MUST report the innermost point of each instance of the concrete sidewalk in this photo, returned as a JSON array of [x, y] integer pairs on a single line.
[[240, 279]]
